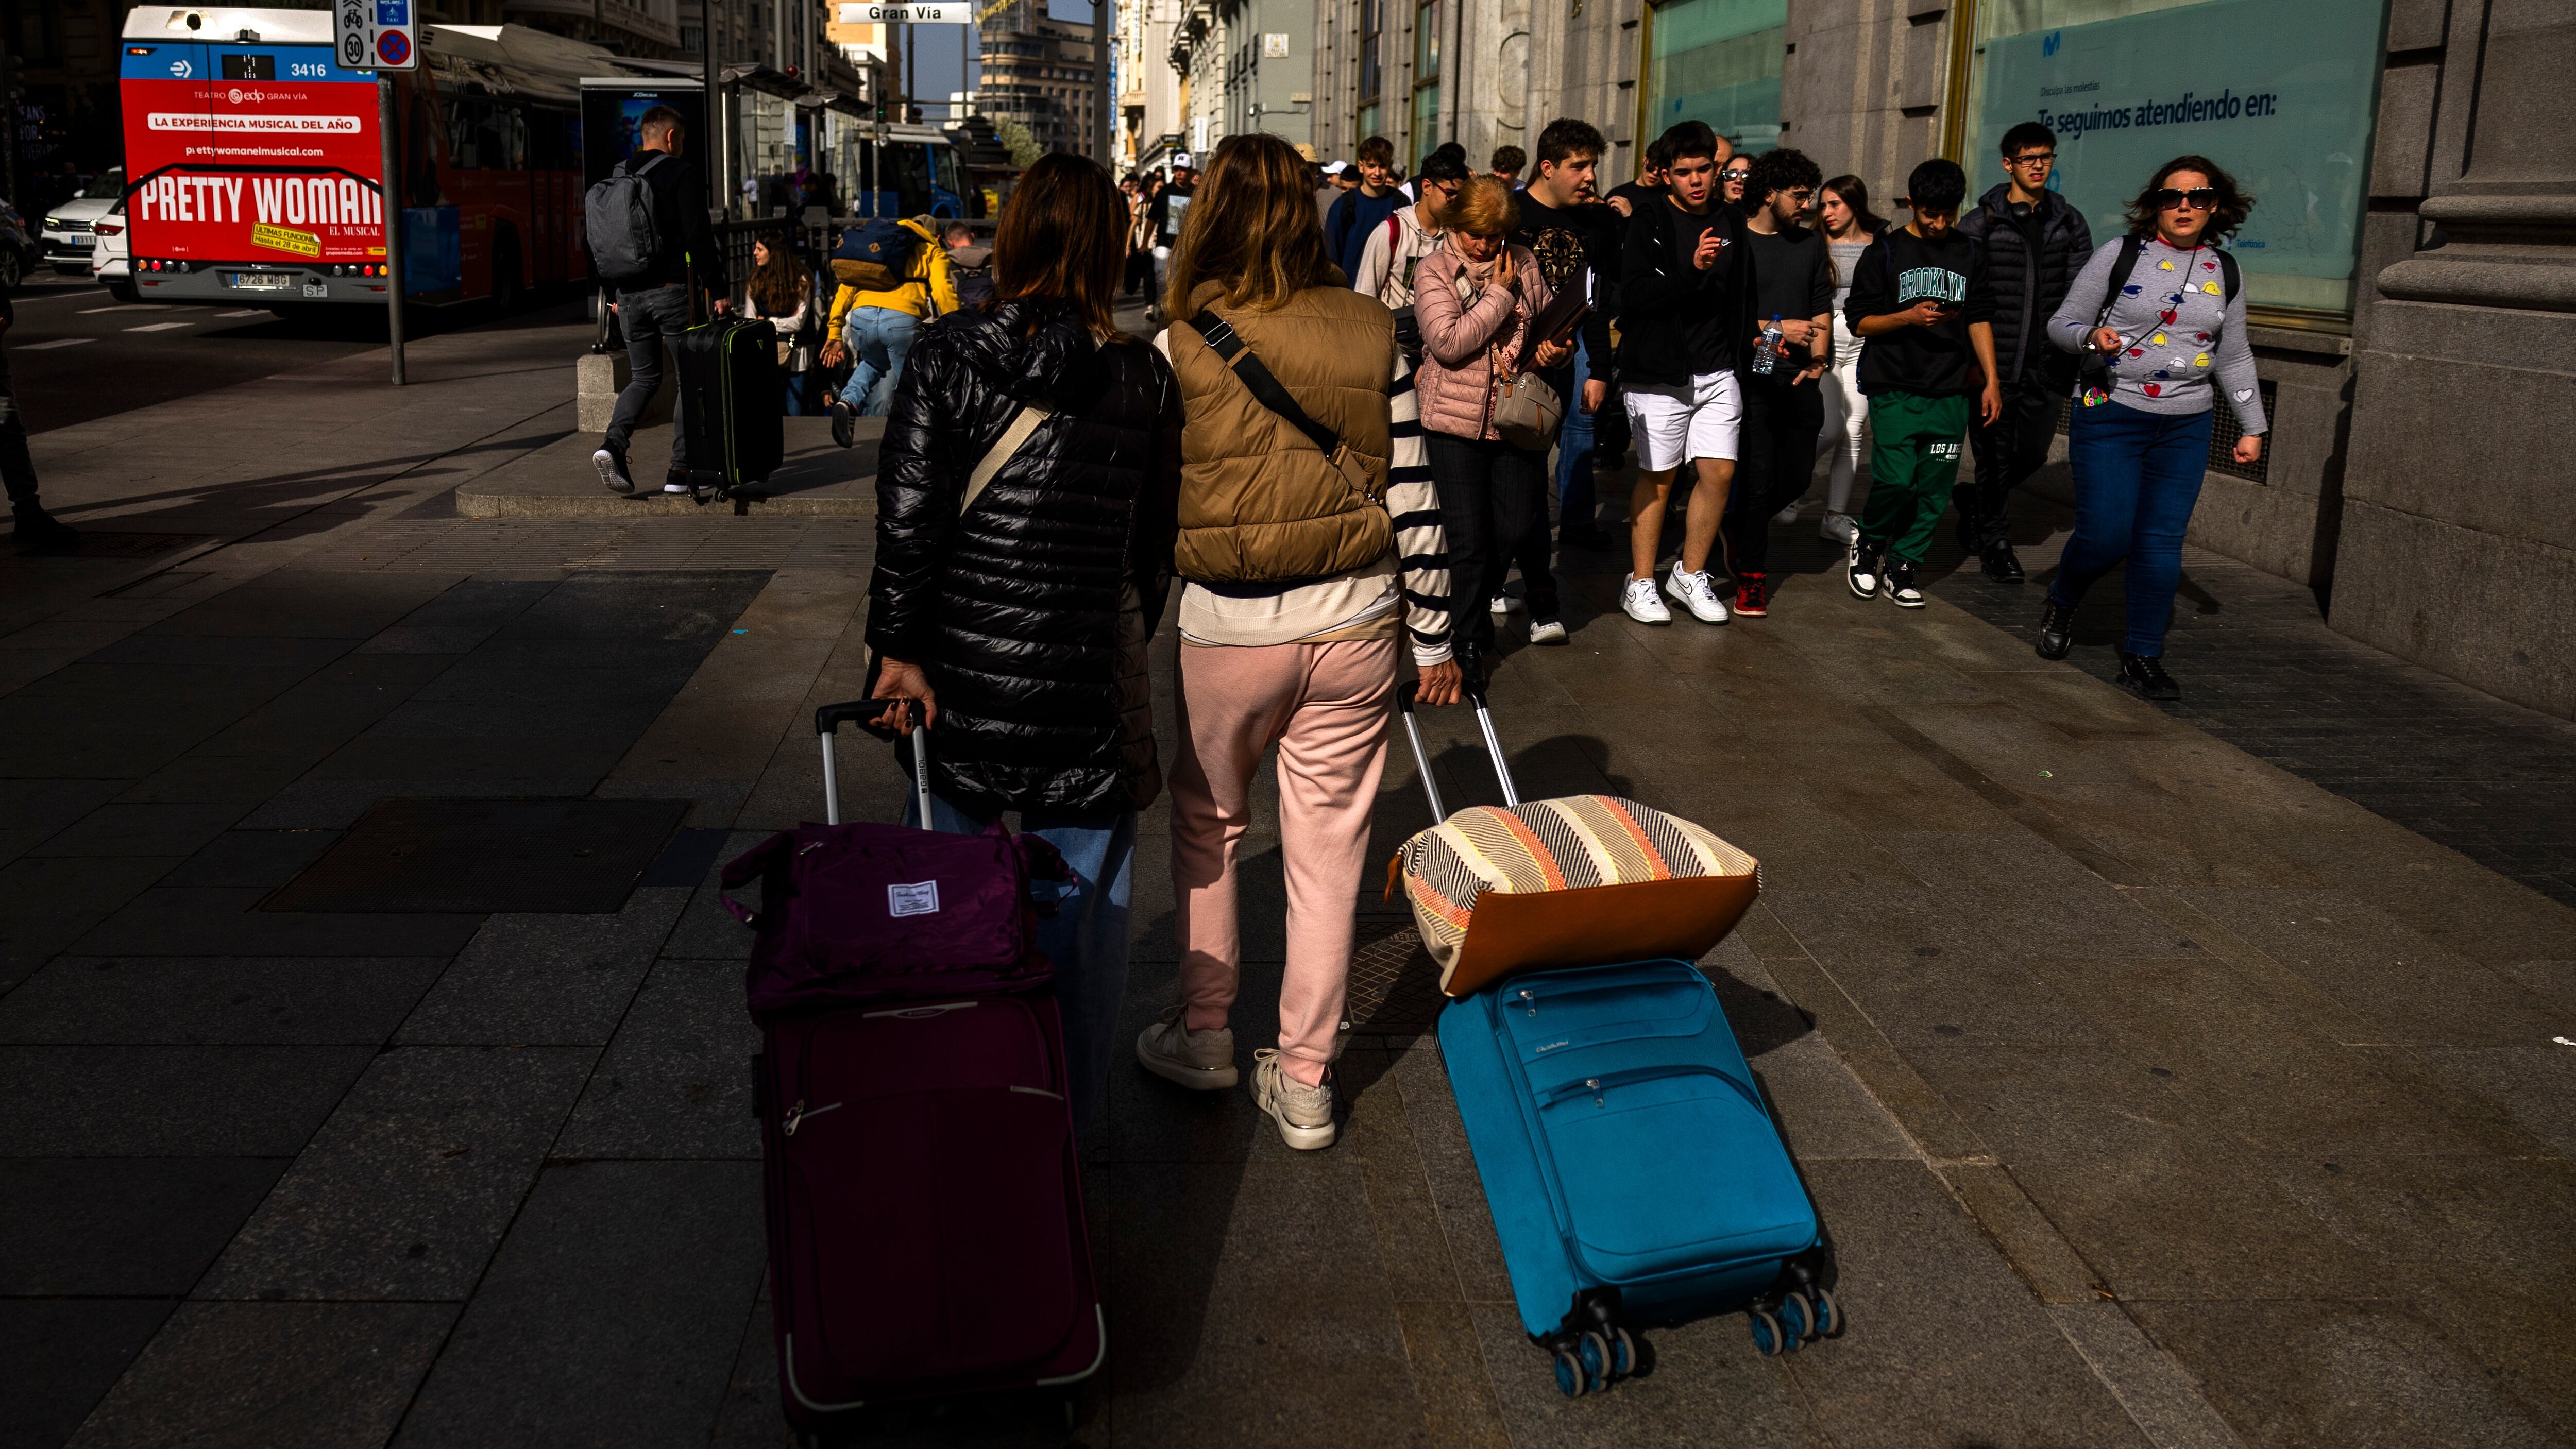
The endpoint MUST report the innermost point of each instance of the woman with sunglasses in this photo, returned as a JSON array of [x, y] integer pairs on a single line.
[[1736, 177], [2156, 352]]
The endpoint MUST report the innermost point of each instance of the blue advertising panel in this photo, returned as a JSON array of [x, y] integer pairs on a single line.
[[2279, 92]]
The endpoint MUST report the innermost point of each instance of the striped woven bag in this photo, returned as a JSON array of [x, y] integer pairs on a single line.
[[1586, 880]]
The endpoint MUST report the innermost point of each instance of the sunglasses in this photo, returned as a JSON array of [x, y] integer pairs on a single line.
[[2199, 198], [1738, 173]]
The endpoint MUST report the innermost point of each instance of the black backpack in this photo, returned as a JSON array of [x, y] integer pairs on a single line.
[[618, 216]]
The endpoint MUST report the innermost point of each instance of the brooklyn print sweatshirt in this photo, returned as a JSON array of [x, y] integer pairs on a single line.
[[1899, 270]]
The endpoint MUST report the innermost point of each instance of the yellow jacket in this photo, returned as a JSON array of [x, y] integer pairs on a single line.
[[928, 280]]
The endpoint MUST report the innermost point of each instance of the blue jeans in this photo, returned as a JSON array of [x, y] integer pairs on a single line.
[[1574, 502], [879, 339], [2137, 475], [1086, 938]]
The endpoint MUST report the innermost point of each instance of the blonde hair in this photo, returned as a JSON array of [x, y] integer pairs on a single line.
[[1252, 227], [1484, 207]]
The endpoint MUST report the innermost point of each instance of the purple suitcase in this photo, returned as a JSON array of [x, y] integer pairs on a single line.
[[924, 1199]]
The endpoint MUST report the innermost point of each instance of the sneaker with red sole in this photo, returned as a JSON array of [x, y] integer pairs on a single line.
[[1752, 595]]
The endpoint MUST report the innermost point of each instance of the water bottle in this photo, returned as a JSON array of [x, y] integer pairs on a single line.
[[1766, 356]]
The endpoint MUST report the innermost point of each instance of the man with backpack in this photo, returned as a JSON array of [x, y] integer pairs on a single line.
[[892, 274], [649, 243], [2034, 244]]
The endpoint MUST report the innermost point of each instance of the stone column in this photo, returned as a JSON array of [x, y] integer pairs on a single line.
[[2457, 540]]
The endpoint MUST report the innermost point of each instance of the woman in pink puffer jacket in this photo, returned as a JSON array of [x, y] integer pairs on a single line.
[[1474, 300]]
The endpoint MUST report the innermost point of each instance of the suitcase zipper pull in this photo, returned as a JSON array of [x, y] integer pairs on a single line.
[[1531, 997], [1595, 1084], [795, 1115]]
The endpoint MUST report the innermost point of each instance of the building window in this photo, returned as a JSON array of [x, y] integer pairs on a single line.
[[1717, 61], [1426, 77], [2283, 93], [1372, 26]]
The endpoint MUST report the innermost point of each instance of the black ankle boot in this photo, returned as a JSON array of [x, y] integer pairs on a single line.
[[2056, 629], [41, 532], [2144, 676], [2001, 565]]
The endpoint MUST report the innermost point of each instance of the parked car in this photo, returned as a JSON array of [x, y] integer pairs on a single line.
[[18, 248], [67, 222], [110, 263]]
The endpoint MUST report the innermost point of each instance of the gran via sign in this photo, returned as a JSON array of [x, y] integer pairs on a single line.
[[920, 12]]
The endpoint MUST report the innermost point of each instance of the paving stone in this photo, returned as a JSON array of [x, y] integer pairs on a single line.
[[548, 978], [216, 999], [202, 921], [406, 1190], [253, 859], [34, 810], [1823, 1109], [1701, 1383], [613, 1314], [161, 647], [258, 1374], [141, 829], [212, 779], [63, 1356], [2536, 1085], [170, 1101], [751, 1416], [706, 929], [676, 1080], [121, 1227], [47, 904]]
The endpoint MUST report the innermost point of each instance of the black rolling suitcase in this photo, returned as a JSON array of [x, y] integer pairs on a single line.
[[733, 398]]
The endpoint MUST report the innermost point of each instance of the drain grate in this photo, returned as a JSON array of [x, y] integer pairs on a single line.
[[479, 857], [1395, 987]]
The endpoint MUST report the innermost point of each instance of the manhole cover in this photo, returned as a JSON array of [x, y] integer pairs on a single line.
[[478, 857], [1395, 987]]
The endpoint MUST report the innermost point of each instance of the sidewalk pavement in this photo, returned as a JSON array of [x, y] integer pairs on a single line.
[[2153, 1095]]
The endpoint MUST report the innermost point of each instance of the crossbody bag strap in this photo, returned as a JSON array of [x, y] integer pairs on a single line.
[[1228, 346], [1006, 448]]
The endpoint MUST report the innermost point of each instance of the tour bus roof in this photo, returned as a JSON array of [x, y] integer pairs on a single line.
[[513, 45]]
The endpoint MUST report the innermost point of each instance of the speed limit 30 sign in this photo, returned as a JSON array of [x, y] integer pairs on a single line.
[[375, 35]]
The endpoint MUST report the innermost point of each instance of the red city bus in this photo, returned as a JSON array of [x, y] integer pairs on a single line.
[[254, 161]]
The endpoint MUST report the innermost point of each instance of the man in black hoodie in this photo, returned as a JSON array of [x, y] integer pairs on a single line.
[[655, 306], [1919, 298], [2034, 243]]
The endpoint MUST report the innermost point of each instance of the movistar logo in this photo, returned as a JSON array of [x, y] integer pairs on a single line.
[[2049, 46]]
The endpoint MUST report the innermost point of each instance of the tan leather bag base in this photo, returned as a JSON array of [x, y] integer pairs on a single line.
[[1597, 926]]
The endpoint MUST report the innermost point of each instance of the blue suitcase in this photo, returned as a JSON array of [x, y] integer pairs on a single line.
[[1632, 1165]]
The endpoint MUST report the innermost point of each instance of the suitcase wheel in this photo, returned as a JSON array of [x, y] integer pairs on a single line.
[[1829, 1319], [1570, 1377], [1798, 1315], [1594, 1351], [1767, 1336], [1623, 1354]]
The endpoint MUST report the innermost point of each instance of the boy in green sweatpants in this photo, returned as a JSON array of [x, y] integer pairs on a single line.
[[1917, 300]]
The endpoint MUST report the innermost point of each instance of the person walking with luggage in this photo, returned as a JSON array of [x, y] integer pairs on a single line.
[[1309, 572], [647, 283], [781, 292], [1686, 309], [1029, 662], [1784, 407], [2159, 316], [875, 329], [1849, 226], [1477, 298], [1927, 363], [2034, 242]]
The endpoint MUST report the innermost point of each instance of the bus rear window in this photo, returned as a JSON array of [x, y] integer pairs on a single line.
[[250, 67]]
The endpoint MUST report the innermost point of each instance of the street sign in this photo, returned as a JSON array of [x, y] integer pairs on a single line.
[[375, 35], [917, 12]]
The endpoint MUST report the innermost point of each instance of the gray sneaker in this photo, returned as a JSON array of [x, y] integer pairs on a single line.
[[1202, 1061], [612, 471], [1304, 1113]]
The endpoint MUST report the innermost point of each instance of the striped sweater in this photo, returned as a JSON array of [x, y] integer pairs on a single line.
[[1406, 593]]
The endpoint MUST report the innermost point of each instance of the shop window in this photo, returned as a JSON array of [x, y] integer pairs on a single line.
[[1426, 78], [1717, 61], [2282, 93], [1372, 28]]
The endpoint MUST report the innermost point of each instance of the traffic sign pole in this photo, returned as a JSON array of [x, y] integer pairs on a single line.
[[387, 123]]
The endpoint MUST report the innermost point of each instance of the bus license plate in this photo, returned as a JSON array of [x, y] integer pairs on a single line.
[[263, 281], [316, 289]]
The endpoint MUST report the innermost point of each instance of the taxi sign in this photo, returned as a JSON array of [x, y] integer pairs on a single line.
[[374, 35]]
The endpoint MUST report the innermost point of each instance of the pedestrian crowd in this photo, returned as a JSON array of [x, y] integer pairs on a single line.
[[1363, 394]]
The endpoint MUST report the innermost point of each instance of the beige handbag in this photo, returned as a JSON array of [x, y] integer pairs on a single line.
[[1526, 412]]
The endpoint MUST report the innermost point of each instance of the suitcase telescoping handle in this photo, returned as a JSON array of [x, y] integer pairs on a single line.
[[866, 711], [1475, 686]]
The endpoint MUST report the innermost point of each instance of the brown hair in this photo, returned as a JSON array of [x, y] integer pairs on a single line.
[[2233, 205], [779, 286], [1376, 148], [1064, 235], [1252, 227], [1484, 208]]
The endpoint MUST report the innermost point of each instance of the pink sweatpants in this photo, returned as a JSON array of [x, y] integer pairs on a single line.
[[1325, 706]]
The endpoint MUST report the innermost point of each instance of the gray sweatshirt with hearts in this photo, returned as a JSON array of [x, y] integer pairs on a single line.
[[2182, 338]]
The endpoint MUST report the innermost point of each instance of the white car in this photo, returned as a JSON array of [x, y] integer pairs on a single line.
[[110, 264], [67, 222]]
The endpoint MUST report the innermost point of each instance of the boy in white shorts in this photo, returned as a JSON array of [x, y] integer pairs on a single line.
[[1685, 304]]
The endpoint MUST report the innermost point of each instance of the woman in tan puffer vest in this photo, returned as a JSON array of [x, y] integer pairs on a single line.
[[1475, 299], [1307, 575]]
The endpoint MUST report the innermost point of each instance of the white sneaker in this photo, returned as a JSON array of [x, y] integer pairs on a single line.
[[612, 471], [1548, 631], [1202, 1061], [1786, 515], [1694, 592], [1860, 568], [1900, 586], [1837, 527], [678, 488], [1641, 602], [1304, 1113], [1501, 604]]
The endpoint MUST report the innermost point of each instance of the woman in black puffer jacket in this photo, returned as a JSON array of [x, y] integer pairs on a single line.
[[1020, 623]]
